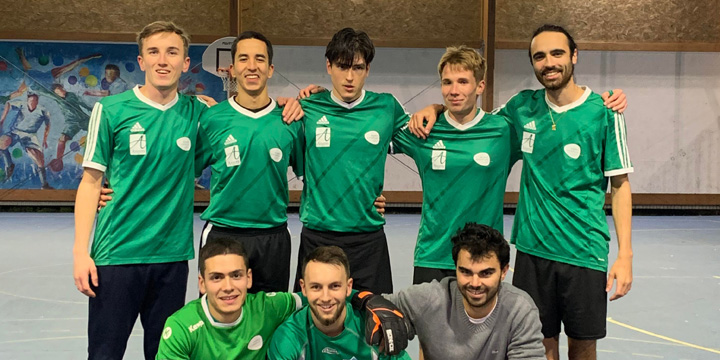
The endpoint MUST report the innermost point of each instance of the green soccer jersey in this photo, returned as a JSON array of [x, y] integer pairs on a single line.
[[146, 152], [346, 149], [463, 168], [565, 176], [299, 339], [249, 153], [191, 333]]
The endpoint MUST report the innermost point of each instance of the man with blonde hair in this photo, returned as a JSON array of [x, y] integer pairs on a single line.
[[142, 141], [463, 164]]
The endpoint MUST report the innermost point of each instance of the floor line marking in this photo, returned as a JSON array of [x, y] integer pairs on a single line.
[[648, 355], [606, 351], [41, 299], [644, 341], [717, 277], [610, 320], [46, 319], [51, 338], [32, 268]]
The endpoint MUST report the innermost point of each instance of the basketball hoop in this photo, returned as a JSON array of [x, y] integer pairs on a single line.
[[229, 83], [218, 55]]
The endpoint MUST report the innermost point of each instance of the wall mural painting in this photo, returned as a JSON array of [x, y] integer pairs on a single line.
[[47, 92]]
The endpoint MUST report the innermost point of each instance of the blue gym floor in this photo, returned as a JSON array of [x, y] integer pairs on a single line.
[[672, 312]]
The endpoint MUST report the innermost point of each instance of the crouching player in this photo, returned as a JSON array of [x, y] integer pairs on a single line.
[[473, 315], [228, 323]]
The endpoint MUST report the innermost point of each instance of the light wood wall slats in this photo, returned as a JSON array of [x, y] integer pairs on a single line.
[[81, 20], [398, 23], [632, 25]]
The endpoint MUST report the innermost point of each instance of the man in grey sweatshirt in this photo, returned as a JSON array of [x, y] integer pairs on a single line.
[[474, 315]]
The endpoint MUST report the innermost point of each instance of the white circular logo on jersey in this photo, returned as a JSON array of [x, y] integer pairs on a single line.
[[167, 333], [270, 294], [483, 159], [255, 343], [572, 150], [276, 154], [372, 137], [184, 143]]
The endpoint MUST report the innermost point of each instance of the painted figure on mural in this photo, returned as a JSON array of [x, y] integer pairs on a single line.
[[67, 79]]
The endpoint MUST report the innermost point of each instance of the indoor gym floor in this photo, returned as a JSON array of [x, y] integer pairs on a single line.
[[672, 312]]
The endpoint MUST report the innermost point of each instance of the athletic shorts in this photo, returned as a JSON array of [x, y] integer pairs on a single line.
[[268, 253], [153, 291], [73, 127], [426, 274], [367, 252], [568, 294], [27, 140]]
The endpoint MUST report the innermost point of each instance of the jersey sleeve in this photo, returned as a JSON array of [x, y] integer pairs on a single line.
[[404, 142], [282, 305], [297, 156], [203, 150], [175, 342], [616, 156], [400, 116], [99, 141]]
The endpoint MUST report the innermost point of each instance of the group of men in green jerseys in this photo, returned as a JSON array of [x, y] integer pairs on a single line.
[[143, 238]]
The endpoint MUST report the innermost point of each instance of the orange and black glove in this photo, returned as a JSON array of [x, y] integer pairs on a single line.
[[384, 323]]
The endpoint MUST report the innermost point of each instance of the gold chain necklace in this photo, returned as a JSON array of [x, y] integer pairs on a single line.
[[554, 125]]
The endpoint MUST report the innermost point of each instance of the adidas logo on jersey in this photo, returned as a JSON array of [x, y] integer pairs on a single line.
[[230, 140], [137, 128], [323, 121], [439, 145], [530, 125]]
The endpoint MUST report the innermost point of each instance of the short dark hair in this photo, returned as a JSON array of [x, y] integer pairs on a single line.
[[481, 241], [554, 28], [221, 247], [113, 67], [56, 86], [252, 35], [346, 44], [332, 255]]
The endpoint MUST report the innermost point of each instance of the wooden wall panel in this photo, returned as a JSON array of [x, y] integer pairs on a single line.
[[61, 197], [399, 23], [664, 25], [112, 20]]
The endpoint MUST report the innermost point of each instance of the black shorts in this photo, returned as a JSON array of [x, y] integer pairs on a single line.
[[426, 274], [367, 252], [564, 293], [154, 291], [268, 253]]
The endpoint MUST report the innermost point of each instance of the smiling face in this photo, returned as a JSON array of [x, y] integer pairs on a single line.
[[479, 281], [225, 282], [551, 59], [460, 91], [163, 60], [252, 66], [326, 287], [348, 81]]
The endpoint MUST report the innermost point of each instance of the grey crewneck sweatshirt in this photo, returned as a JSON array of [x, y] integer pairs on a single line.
[[512, 331]]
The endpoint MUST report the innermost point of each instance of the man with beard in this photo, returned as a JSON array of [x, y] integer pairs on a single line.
[[473, 315], [571, 145], [328, 327]]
